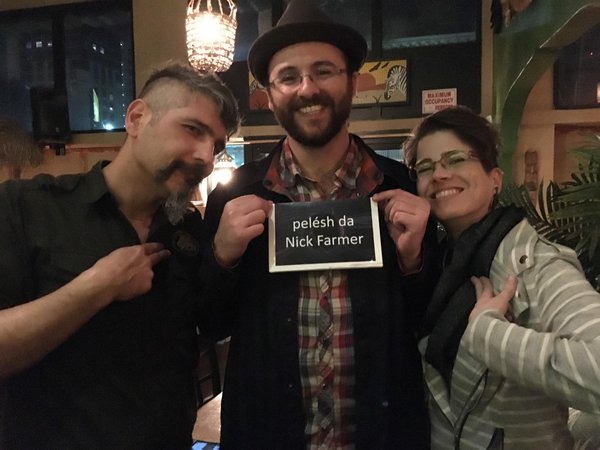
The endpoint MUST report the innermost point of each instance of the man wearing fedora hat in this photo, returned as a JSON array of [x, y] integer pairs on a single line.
[[322, 358]]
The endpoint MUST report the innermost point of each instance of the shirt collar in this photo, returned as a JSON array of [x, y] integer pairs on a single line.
[[94, 187], [357, 172]]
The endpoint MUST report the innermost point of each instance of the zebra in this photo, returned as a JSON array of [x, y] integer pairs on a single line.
[[395, 81]]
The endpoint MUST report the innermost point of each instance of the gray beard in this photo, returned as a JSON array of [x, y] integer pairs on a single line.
[[176, 205]]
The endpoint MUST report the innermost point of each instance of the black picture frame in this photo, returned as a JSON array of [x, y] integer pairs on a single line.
[[49, 114]]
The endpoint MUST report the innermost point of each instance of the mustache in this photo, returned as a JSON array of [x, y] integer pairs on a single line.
[[317, 99], [192, 173]]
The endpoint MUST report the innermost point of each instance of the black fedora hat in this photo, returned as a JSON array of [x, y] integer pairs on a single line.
[[302, 22]]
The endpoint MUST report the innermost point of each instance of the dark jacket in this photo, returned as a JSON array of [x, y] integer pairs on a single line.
[[262, 401]]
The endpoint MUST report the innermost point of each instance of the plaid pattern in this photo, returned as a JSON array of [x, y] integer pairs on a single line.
[[325, 332], [329, 404], [284, 177]]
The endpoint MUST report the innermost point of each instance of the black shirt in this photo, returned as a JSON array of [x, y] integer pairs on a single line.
[[125, 380]]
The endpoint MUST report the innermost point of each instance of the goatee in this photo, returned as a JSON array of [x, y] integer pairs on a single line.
[[178, 203]]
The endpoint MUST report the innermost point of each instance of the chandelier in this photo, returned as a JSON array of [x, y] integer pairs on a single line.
[[210, 34]]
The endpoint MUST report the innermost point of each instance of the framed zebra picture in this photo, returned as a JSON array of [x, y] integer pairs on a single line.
[[382, 82]]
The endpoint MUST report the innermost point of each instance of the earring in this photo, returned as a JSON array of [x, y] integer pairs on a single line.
[[495, 197]]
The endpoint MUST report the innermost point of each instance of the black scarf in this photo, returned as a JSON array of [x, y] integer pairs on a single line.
[[454, 296]]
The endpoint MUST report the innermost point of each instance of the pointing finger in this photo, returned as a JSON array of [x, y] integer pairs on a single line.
[[158, 256], [152, 247], [477, 284]]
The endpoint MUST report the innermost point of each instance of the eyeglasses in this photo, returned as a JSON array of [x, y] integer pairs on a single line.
[[451, 160], [290, 79]]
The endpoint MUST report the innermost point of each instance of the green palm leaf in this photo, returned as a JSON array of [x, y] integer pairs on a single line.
[[569, 214]]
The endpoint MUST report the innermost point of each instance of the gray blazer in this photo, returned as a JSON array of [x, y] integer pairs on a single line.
[[513, 382]]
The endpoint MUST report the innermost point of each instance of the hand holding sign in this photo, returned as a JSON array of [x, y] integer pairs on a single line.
[[406, 218], [242, 220]]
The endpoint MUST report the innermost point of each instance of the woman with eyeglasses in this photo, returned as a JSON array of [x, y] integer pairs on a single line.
[[511, 337]]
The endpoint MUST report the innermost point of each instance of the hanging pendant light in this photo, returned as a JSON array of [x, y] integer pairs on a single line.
[[210, 33], [224, 167]]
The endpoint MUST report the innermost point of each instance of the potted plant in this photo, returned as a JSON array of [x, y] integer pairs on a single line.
[[569, 213]]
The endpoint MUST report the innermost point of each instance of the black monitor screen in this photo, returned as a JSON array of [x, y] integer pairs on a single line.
[[49, 114]]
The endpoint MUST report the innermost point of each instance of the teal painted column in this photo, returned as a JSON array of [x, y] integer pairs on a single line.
[[523, 51]]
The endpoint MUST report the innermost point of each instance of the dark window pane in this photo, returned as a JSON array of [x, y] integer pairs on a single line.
[[26, 49], [423, 23], [577, 73], [83, 49], [354, 13], [99, 68], [254, 17]]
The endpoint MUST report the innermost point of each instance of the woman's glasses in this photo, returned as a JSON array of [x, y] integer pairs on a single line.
[[451, 160]]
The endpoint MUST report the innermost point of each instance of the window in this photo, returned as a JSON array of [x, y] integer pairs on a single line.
[[26, 64], [577, 73], [423, 23], [253, 18], [82, 50], [354, 13]]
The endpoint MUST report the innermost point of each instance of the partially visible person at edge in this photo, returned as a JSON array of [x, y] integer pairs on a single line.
[[99, 289], [323, 358], [501, 370]]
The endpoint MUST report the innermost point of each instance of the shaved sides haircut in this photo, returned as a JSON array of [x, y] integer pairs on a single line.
[[204, 83]]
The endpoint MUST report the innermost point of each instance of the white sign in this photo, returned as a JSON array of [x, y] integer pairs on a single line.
[[437, 99]]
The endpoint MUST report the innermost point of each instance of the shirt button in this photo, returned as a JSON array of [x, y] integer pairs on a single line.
[[385, 403], [522, 259]]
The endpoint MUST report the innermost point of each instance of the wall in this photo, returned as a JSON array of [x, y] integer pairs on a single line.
[[552, 133], [77, 158]]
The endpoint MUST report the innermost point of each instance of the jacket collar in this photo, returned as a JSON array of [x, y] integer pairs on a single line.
[[263, 165]]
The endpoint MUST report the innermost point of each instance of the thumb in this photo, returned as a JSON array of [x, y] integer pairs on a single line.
[[509, 289]]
